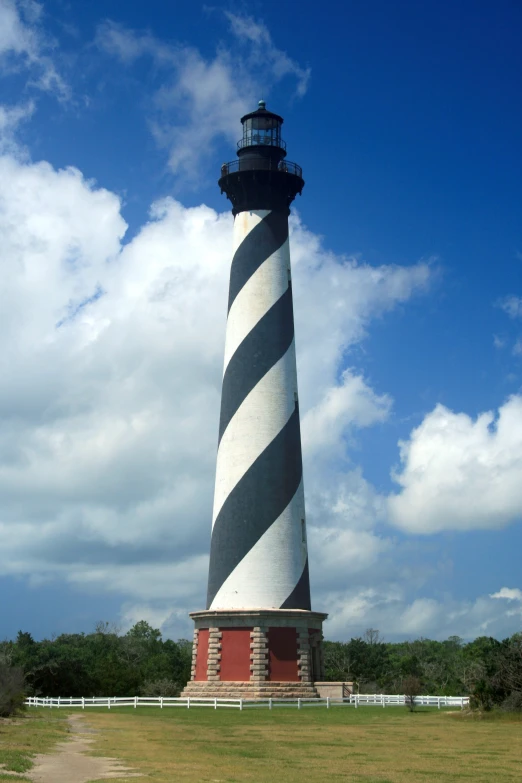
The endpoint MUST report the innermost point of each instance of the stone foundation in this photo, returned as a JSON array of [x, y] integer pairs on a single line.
[[256, 654]]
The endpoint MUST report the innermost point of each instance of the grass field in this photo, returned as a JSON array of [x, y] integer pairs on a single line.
[[21, 739], [369, 745]]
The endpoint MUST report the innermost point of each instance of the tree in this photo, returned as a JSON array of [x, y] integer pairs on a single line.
[[163, 687], [412, 688], [12, 689], [510, 664], [144, 632], [337, 662], [372, 636]]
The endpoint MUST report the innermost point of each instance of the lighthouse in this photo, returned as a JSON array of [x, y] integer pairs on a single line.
[[258, 636]]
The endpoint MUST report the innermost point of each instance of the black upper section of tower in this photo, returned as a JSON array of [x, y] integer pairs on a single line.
[[261, 177]]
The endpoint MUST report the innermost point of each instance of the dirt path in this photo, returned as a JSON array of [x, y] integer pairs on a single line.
[[69, 764]]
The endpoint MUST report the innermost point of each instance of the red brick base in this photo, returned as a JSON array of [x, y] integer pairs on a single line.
[[256, 653]]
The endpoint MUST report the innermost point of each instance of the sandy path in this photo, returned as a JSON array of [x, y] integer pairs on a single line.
[[69, 764]]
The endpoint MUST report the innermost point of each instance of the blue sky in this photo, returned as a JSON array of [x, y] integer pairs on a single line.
[[407, 253]]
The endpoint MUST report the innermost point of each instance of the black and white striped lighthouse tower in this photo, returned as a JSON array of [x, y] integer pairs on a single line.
[[258, 635]]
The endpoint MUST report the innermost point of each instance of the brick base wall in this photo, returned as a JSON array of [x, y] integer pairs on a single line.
[[280, 648]]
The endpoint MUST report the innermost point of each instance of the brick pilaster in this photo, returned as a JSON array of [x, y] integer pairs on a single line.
[[214, 654], [304, 662], [259, 654], [194, 655], [321, 656]]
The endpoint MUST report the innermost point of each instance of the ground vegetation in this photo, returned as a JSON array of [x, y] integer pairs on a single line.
[[488, 670], [364, 745], [105, 662]]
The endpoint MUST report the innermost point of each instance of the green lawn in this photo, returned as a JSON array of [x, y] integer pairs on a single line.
[[20, 739], [367, 745]]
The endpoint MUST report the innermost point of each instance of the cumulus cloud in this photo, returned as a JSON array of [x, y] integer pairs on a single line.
[[458, 473], [512, 305], [508, 593], [352, 403], [200, 99], [111, 358], [25, 45], [388, 609]]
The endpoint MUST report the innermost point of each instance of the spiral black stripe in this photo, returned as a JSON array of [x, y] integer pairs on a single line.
[[267, 237], [300, 595], [255, 503], [268, 341]]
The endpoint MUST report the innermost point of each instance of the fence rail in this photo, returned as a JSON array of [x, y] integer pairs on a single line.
[[355, 700]]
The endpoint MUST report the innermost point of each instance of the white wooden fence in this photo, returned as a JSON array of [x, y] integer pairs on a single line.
[[356, 700]]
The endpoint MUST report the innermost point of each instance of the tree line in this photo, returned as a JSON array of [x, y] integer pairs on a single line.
[[488, 670], [140, 662], [101, 663]]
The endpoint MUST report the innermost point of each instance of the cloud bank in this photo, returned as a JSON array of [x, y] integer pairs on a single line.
[[461, 474], [112, 356]]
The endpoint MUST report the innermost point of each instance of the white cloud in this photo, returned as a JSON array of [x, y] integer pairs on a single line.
[[388, 609], [200, 100], [461, 474], [111, 358], [508, 593], [512, 305], [275, 62], [339, 296], [23, 44], [352, 403], [10, 118]]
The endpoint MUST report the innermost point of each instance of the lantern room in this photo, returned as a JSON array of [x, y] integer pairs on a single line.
[[262, 128]]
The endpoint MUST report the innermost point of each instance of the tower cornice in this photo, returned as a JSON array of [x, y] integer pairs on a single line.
[[271, 188]]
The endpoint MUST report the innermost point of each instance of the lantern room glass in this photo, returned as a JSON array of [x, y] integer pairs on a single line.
[[261, 130]]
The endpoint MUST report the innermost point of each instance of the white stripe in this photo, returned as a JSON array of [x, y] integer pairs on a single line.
[[257, 421], [268, 574], [261, 291]]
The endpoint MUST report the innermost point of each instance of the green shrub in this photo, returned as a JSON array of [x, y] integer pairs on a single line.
[[481, 697], [163, 687], [12, 690], [513, 703]]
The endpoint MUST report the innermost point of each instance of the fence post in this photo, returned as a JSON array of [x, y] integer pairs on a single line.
[[58, 702], [383, 702], [135, 702], [327, 702], [188, 702], [215, 703], [269, 704], [240, 704], [356, 700], [108, 702], [161, 702], [298, 704]]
